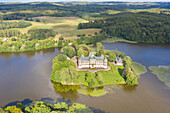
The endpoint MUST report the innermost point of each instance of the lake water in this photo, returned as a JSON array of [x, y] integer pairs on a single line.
[[27, 76]]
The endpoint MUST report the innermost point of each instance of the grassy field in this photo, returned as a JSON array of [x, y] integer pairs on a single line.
[[162, 72], [65, 26], [115, 39], [112, 76], [138, 69]]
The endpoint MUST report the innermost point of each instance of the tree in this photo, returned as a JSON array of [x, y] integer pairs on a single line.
[[13, 109], [73, 73], [89, 79], [80, 52], [79, 108], [99, 46], [61, 38], [101, 52], [69, 51], [131, 79], [41, 107], [111, 57], [64, 75], [126, 70], [61, 57], [127, 61]]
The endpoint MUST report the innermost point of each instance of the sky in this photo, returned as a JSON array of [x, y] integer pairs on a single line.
[[84, 0]]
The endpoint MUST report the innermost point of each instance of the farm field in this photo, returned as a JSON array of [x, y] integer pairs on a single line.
[[65, 26]]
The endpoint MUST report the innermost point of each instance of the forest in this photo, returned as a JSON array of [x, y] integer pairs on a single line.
[[47, 107], [140, 27]]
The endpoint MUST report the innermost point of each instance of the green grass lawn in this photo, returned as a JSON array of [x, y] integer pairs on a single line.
[[112, 76], [162, 72]]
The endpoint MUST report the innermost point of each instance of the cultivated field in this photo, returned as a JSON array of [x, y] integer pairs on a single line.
[[65, 26]]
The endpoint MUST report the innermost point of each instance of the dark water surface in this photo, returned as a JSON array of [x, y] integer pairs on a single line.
[[27, 76]]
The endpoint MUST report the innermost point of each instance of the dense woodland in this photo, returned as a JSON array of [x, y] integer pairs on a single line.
[[140, 27]]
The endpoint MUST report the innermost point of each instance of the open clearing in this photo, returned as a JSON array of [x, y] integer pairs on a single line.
[[65, 26]]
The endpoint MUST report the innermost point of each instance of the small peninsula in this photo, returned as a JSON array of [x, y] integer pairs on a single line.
[[81, 65]]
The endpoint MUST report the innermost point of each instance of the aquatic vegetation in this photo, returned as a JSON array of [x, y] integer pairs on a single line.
[[162, 72], [138, 69]]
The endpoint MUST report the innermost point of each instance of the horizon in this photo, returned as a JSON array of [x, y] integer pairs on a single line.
[[27, 1]]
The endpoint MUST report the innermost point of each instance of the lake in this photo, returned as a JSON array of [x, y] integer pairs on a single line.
[[27, 76]]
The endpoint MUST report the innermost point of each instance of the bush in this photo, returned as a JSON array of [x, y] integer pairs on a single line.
[[13, 39], [61, 38]]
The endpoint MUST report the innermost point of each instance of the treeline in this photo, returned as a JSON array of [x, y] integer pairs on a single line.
[[92, 39], [18, 16], [33, 34], [10, 33], [41, 34], [140, 27], [95, 24], [43, 107], [20, 24]]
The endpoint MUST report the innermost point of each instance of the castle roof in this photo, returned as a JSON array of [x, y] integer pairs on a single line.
[[99, 58]]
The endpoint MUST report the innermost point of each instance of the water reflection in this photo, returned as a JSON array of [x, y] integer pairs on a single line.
[[129, 88], [29, 54], [66, 91]]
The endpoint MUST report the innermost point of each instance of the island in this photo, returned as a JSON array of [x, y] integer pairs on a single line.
[[82, 65]]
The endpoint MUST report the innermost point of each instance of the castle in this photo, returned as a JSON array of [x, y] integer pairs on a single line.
[[92, 62]]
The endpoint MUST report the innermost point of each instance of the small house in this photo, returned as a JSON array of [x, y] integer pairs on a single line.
[[119, 61]]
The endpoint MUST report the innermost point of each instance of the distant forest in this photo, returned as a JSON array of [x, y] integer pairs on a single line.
[[28, 10], [140, 27]]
